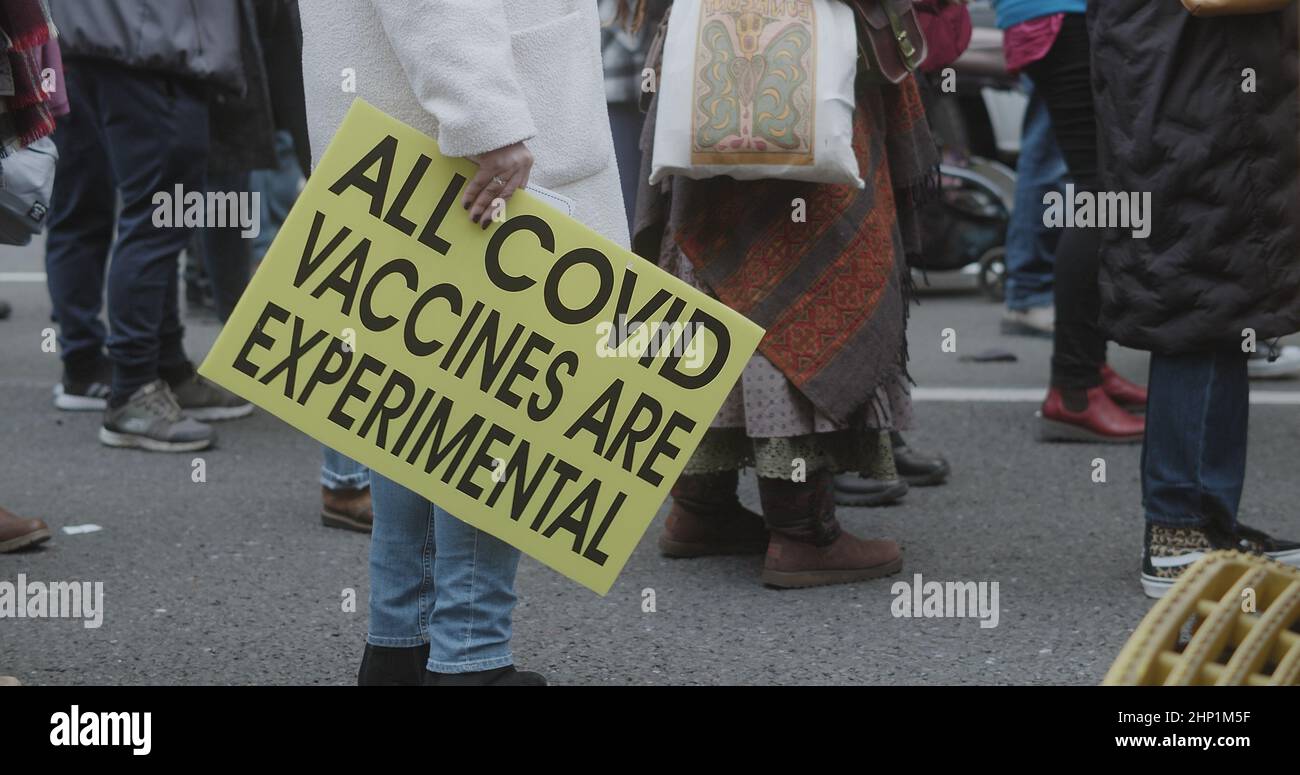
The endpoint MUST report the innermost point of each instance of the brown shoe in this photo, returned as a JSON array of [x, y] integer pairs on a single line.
[[347, 509], [808, 548], [18, 533], [707, 519]]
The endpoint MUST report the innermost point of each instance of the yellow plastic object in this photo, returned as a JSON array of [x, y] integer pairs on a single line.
[[1233, 619]]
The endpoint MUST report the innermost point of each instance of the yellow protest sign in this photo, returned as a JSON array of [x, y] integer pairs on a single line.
[[534, 379]]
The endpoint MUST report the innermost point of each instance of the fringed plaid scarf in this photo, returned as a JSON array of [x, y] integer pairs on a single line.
[[25, 117], [832, 290]]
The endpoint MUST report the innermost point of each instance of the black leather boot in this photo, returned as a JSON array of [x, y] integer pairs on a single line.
[[915, 468], [387, 666]]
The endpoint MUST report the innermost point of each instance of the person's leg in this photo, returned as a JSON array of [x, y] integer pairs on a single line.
[[707, 518], [227, 254], [808, 548], [1193, 460], [626, 120], [1077, 407], [1031, 247], [201, 400], [173, 365], [1063, 78], [878, 483], [279, 188], [156, 130], [82, 210], [918, 469], [340, 472], [401, 565], [401, 587], [474, 574], [345, 495], [1079, 345]]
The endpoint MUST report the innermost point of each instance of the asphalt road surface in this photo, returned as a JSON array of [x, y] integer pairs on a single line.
[[234, 581]]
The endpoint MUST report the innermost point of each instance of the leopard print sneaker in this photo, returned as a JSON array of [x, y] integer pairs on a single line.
[[1168, 551]]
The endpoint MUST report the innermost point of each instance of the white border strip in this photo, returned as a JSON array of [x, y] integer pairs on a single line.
[[1006, 395], [22, 277]]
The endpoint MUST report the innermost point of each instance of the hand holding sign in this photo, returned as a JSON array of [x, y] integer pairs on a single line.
[[500, 173], [491, 371]]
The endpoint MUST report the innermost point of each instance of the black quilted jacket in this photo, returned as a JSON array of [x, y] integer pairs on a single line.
[[1220, 163]]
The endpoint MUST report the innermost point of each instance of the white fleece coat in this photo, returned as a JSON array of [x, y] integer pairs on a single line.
[[475, 75]]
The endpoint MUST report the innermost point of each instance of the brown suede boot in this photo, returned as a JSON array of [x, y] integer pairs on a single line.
[[808, 548], [706, 519], [348, 509], [18, 533]]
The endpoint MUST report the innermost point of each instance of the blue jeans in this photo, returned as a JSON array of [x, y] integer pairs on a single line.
[[279, 188], [1194, 456], [1031, 246], [340, 472], [437, 580]]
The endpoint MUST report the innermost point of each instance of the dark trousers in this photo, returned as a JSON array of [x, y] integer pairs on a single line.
[[626, 120], [131, 135], [226, 255], [1194, 455], [1063, 78]]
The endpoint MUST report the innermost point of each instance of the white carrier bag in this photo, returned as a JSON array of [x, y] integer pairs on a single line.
[[758, 89]]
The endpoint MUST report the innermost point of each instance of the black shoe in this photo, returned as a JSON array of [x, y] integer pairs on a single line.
[[857, 490], [1259, 542], [917, 469], [5, 309], [387, 666], [1169, 551], [88, 394], [502, 676]]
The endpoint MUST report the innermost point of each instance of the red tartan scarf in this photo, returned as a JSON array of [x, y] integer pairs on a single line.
[[25, 26]]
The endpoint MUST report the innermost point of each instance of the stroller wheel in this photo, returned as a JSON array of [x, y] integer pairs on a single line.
[[993, 273]]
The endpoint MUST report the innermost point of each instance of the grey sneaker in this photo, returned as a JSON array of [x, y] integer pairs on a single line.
[[151, 419], [1034, 321], [204, 401], [1284, 363]]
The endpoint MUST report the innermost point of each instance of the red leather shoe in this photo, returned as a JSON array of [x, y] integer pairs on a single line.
[[1102, 421], [1129, 395]]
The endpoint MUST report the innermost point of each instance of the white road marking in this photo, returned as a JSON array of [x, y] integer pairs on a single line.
[[22, 277], [1008, 395]]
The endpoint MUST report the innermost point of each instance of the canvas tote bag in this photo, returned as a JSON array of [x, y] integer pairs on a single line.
[[758, 89]]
